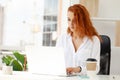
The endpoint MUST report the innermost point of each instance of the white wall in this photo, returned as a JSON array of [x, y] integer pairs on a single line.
[[109, 8], [1, 22], [115, 60], [106, 28]]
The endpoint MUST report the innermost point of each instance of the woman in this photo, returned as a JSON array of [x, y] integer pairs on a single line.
[[81, 41]]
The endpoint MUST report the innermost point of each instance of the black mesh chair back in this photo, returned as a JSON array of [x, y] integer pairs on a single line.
[[105, 55]]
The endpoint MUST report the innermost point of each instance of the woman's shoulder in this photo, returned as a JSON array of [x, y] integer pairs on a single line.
[[95, 38]]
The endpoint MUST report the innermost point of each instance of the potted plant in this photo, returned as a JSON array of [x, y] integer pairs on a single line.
[[16, 61], [7, 68]]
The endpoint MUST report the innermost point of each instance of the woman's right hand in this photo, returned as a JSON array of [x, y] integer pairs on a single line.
[[71, 70]]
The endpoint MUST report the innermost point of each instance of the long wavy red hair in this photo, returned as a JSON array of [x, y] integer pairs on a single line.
[[83, 22]]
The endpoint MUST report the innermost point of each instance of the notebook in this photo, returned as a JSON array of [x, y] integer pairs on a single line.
[[46, 60]]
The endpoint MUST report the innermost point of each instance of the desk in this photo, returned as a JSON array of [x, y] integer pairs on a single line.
[[28, 76]]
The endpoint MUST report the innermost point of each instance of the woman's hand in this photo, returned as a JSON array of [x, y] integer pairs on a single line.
[[71, 70]]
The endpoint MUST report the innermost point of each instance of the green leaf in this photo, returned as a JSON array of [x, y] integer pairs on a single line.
[[19, 56], [5, 60], [16, 65], [9, 57]]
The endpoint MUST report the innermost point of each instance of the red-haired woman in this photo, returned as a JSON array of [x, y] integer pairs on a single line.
[[81, 40]]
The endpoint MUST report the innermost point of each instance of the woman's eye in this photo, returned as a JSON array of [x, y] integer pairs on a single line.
[[68, 19]]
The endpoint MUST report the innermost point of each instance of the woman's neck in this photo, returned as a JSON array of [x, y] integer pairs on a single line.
[[75, 36], [77, 41]]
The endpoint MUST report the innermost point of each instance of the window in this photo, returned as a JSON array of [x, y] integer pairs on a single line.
[[50, 22], [20, 19]]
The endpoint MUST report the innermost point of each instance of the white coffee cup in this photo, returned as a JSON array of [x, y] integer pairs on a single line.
[[91, 65]]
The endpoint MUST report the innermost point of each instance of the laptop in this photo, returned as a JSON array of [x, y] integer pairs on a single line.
[[46, 60]]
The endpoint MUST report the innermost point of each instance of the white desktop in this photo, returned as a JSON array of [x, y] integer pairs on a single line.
[[21, 75]]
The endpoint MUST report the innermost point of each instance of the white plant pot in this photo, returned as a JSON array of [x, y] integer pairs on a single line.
[[7, 70]]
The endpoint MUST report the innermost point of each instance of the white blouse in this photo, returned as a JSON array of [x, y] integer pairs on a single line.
[[88, 49]]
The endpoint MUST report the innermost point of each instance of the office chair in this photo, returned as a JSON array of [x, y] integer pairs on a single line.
[[105, 55]]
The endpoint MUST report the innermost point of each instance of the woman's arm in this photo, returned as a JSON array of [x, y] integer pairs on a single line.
[[96, 51]]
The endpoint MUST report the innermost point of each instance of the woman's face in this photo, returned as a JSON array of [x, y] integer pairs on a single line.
[[71, 22]]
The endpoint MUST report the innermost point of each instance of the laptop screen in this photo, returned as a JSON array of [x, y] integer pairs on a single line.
[[45, 60]]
